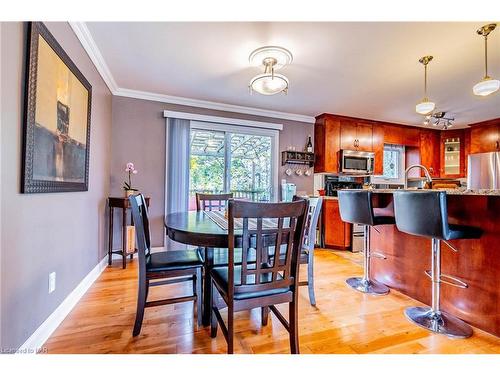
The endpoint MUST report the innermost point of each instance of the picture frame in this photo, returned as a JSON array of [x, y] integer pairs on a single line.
[[57, 117]]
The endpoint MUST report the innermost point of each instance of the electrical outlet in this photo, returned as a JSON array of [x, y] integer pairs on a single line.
[[52, 282]]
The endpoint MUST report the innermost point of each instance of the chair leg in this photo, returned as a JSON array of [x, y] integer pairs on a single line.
[[230, 329], [294, 327], [199, 297], [213, 318], [147, 289], [264, 313], [310, 278], [141, 304]]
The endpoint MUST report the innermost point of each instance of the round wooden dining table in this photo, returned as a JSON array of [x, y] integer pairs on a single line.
[[197, 229]]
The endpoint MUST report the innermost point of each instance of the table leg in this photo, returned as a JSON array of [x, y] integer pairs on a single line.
[[110, 237], [124, 237], [207, 285]]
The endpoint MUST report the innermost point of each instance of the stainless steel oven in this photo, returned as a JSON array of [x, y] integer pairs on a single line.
[[356, 162]]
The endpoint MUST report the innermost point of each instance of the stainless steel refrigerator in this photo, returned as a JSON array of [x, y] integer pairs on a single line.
[[483, 171]]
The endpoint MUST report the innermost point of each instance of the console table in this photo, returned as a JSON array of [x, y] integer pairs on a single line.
[[124, 204]]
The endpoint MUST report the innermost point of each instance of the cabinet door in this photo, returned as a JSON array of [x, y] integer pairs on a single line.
[[378, 149], [484, 139], [337, 233], [332, 145], [411, 136], [453, 154], [347, 135], [364, 135], [429, 151], [393, 135]]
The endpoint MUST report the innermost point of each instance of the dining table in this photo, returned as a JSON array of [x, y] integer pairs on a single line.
[[207, 230], [197, 228]]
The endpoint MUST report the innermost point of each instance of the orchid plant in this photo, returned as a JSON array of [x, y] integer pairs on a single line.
[[131, 170]]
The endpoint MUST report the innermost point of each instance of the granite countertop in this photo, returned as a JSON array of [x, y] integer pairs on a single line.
[[459, 191]]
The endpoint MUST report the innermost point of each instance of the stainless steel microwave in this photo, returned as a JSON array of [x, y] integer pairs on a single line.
[[356, 162]]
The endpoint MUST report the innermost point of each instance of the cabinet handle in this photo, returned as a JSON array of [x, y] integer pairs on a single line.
[[497, 145]]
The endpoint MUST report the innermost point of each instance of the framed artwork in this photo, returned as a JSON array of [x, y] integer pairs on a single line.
[[56, 128]]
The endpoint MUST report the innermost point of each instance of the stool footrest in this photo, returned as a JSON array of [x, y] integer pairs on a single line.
[[450, 280]]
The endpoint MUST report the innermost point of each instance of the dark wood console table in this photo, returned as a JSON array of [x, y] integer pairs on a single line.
[[123, 203]]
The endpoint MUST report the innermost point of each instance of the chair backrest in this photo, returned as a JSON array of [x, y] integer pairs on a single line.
[[283, 232], [421, 213], [356, 206], [141, 223], [212, 202], [313, 212]]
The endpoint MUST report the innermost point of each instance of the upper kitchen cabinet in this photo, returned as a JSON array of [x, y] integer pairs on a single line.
[[401, 135], [430, 151], [355, 135], [326, 144], [485, 136], [453, 153]]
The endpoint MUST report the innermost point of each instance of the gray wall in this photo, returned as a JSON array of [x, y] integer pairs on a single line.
[[138, 135], [41, 233]]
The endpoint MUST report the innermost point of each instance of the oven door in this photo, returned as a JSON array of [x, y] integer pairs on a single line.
[[356, 162]]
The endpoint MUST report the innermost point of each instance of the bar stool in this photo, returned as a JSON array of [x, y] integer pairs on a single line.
[[356, 208], [425, 213]]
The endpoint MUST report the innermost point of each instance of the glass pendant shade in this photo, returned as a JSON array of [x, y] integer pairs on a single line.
[[425, 107], [486, 87], [269, 84]]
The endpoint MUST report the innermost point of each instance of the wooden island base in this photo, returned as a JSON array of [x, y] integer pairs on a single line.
[[477, 262]]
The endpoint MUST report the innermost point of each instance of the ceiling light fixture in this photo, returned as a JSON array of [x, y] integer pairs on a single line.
[[273, 58], [439, 119], [425, 106], [487, 85]]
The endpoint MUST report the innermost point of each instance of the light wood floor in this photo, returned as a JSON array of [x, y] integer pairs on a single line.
[[344, 321]]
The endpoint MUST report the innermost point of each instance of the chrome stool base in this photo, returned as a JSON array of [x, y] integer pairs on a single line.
[[367, 286], [440, 322]]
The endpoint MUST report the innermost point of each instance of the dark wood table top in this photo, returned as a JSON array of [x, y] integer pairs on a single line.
[[122, 202], [195, 228]]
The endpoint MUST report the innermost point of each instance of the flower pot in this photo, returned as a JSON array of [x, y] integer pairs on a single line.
[[128, 193]]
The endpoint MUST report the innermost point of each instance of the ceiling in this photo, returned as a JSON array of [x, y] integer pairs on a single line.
[[367, 70]]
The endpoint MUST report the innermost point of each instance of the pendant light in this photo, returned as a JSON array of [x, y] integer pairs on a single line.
[[425, 106], [487, 85]]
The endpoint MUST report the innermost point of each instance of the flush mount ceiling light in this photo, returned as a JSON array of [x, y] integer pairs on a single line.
[[425, 106], [487, 85], [273, 58]]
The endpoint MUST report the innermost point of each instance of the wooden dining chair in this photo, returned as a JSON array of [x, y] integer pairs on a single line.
[[307, 252], [267, 281], [168, 267], [212, 202]]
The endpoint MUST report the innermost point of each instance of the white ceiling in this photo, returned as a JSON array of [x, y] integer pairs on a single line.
[[367, 70]]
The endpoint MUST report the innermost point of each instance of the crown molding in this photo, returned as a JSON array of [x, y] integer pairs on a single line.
[[212, 105], [83, 34]]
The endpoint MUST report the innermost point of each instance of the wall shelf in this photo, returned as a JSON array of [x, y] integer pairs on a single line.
[[297, 157]]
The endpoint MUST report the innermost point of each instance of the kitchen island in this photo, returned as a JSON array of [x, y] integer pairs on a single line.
[[477, 262]]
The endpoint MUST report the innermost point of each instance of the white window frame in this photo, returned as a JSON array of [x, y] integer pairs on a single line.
[[272, 133], [380, 179], [238, 126]]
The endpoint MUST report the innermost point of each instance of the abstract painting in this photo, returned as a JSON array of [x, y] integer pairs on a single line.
[[58, 99]]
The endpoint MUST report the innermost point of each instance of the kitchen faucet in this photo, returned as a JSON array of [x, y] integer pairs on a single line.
[[427, 175]]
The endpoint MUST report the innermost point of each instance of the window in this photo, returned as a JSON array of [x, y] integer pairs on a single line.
[[240, 160], [394, 161]]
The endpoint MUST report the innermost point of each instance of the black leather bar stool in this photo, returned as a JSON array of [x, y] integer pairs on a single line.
[[425, 213], [356, 208]]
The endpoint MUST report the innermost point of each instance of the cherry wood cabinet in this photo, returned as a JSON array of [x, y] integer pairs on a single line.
[[337, 234], [326, 144], [485, 136], [355, 135], [378, 149], [452, 151], [430, 141]]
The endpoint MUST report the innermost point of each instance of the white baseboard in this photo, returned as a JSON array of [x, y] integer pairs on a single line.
[[35, 342]]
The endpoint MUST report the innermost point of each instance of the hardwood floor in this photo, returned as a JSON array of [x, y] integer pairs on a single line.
[[343, 321]]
